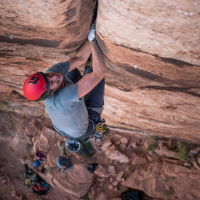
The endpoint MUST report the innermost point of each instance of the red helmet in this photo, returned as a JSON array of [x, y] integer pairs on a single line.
[[35, 86]]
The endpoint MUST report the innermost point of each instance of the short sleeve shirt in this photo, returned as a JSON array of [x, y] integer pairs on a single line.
[[67, 112]]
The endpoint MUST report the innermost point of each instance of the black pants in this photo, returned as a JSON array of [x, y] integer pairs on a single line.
[[94, 100]]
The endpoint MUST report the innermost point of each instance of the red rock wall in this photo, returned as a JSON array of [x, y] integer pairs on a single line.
[[36, 34], [151, 52], [151, 49]]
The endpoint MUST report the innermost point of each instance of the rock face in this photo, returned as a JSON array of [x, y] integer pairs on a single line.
[[156, 48], [152, 54], [151, 49], [166, 181], [36, 34], [159, 176], [164, 29]]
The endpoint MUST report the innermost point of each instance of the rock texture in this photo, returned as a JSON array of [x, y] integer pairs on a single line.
[[166, 181], [152, 54], [152, 170], [164, 29], [36, 34], [153, 85], [153, 57]]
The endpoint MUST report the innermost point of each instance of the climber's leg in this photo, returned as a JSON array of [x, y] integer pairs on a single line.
[[94, 102]]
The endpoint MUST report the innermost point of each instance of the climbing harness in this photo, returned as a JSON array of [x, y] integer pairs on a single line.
[[97, 132]]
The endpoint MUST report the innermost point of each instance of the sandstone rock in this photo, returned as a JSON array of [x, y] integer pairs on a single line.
[[111, 170], [133, 145], [117, 156], [101, 171], [119, 31], [166, 152], [122, 180], [198, 159], [45, 139], [150, 89], [171, 160], [115, 183], [187, 164], [138, 160], [110, 187], [149, 158], [116, 188], [157, 184], [111, 179], [116, 138], [127, 169], [140, 67], [123, 147], [146, 144], [124, 140], [196, 166], [117, 142], [133, 155], [158, 84], [106, 144], [119, 176], [3, 180], [77, 177], [101, 181], [102, 196]]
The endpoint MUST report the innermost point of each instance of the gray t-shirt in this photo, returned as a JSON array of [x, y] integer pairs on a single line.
[[67, 112]]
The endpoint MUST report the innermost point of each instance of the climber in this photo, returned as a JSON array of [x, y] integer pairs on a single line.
[[74, 103]]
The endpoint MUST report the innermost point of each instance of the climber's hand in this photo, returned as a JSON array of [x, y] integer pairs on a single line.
[[92, 33]]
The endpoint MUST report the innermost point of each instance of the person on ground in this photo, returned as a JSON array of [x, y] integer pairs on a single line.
[[74, 102]]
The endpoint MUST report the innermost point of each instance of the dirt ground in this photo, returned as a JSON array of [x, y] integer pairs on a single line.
[[124, 161]]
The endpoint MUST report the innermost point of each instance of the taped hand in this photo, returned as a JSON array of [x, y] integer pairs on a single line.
[[92, 33]]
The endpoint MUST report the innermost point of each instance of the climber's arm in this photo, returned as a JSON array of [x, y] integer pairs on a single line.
[[89, 81], [81, 56]]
